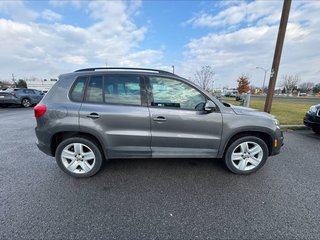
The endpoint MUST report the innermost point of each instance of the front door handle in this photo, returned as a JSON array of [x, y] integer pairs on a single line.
[[159, 119], [93, 115]]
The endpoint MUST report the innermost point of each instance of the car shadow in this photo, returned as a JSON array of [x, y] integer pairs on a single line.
[[15, 107], [164, 164]]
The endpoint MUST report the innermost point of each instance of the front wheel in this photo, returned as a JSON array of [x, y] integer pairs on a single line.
[[79, 157], [246, 155]]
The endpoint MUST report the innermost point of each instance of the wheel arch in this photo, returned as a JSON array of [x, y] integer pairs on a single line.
[[264, 135], [26, 97], [60, 136]]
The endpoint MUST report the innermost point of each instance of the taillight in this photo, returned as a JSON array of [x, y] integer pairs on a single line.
[[39, 110]]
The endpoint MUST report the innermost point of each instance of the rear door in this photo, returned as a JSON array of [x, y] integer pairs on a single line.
[[115, 108], [179, 125]]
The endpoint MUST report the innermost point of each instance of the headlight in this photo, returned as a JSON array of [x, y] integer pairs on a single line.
[[313, 109], [276, 122]]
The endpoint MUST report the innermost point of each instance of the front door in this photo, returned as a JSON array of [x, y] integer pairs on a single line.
[[179, 125]]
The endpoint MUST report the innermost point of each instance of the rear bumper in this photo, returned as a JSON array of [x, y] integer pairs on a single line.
[[44, 148], [277, 143], [43, 142], [10, 101]]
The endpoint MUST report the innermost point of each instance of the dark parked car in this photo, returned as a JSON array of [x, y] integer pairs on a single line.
[[312, 118], [20, 96], [95, 114]]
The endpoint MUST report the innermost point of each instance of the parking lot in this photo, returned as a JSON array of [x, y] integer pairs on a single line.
[[155, 199]]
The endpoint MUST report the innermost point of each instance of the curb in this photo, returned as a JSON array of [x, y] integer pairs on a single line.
[[293, 127]]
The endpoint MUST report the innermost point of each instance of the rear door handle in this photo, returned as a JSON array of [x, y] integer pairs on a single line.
[[93, 115], [159, 119]]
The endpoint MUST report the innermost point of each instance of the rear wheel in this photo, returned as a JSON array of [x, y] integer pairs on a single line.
[[26, 102], [316, 130], [246, 155], [79, 157]]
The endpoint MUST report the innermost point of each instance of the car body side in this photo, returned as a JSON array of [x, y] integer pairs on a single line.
[[64, 113]]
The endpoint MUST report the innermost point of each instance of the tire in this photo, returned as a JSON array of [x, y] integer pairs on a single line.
[[72, 162], [25, 102], [316, 130], [246, 155]]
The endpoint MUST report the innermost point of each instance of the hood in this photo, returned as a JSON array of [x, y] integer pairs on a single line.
[[250, 111], [317, 106]]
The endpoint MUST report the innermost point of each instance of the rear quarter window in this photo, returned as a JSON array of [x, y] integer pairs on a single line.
[[78, 89]]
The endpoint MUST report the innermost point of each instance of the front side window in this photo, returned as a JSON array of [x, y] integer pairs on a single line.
[[94, 90], [175, 94], [122, 90]]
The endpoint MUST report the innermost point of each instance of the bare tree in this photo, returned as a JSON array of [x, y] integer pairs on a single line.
[[289, 82], [306, 87], [204, 77], [5, 84]]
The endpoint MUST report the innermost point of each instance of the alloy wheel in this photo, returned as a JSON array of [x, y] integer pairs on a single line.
[[247, 156], [26, 102], [78, 158]]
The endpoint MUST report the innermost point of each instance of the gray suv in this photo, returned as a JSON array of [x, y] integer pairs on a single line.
[[20, 96], [107, 113]]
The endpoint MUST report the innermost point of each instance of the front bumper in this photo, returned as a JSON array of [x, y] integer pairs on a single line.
[[277, 143], [311, 120]]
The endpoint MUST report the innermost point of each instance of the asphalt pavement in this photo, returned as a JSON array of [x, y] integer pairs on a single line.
[[156, 199]]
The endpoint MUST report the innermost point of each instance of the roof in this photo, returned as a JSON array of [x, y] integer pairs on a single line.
[[126, 69]]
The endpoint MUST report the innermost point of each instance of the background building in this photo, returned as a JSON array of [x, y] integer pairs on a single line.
[[41, 84]]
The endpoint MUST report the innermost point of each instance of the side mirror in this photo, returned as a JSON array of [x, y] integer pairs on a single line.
[[210, 106]]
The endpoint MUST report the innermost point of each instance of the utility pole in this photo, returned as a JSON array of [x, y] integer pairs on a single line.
[[277, 54], [13, 80], [173, 69], [264, 79]]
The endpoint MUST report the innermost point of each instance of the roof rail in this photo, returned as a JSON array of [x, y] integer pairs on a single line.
[[125, 68]]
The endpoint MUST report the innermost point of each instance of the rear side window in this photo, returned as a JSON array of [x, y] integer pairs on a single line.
[[94, 90], [122, 90], [77, 91], [28, 91]]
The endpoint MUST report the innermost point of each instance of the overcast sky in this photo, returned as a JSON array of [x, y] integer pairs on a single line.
[[46, 38]]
